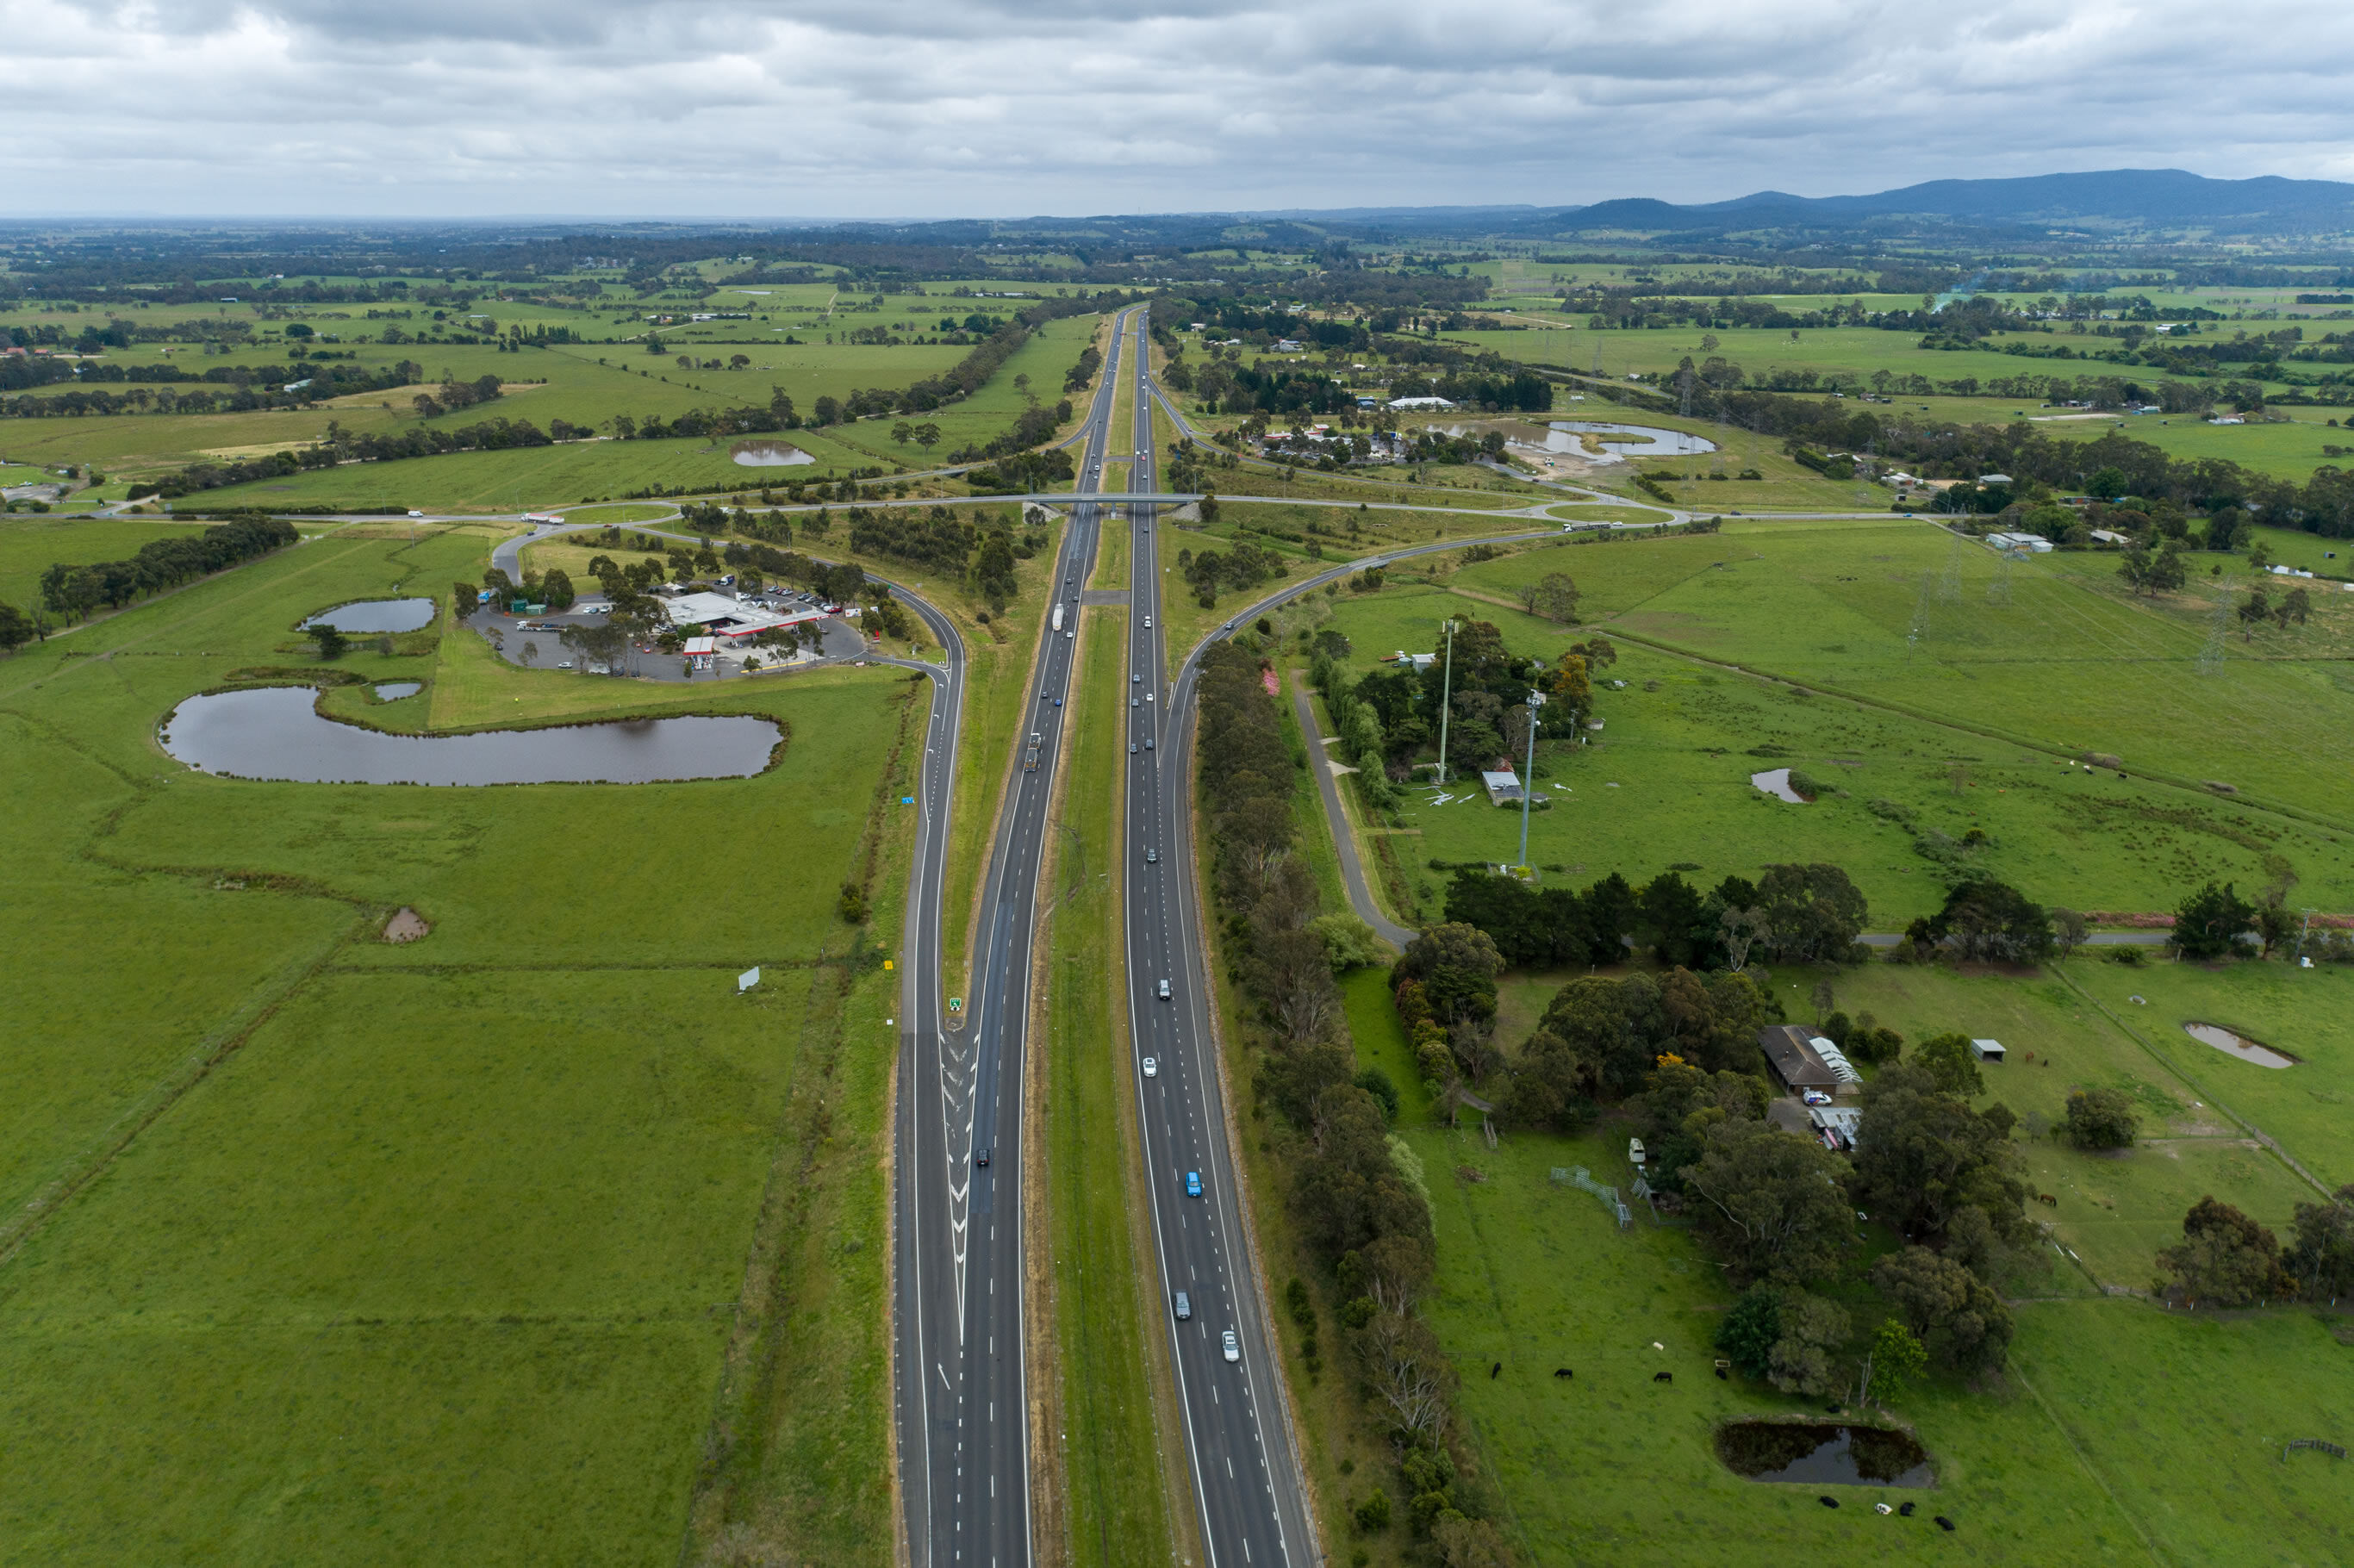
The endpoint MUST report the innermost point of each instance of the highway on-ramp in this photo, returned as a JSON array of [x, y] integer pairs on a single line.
[[963, 1403]]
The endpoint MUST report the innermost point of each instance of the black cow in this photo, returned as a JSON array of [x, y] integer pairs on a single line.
[[1663, 1377], [1827, 1502], [1945, 1523], [1495, 1372], [1562, 1371]]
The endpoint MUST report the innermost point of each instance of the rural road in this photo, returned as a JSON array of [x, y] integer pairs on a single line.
[[1328, 790]]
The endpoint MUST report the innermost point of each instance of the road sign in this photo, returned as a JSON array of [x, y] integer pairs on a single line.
[[886, 963], [748, 978], [956, 1004]]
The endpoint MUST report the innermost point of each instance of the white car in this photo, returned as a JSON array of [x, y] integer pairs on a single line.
[[1233, 1347], [417, 513], [1151, 1068], [1148, 623], [1816, 1098], [564, 663]]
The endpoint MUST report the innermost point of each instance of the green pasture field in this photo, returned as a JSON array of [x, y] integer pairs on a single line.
[[31, 542], [1678, 741], [1123, 1483], [2290, 447], [2067, 664], [572, 382], [2311, 552], [517, 478], [528, 1236], [2119, 1433]]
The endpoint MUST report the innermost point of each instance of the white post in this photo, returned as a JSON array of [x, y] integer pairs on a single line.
[[1529, 772], [1446, 695]]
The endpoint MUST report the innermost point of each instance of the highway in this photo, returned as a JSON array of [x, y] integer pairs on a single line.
[[1236, 1427], [961, 1391]]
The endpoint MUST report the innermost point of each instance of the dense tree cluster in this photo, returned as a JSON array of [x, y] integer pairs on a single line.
[[1241, 567], [1806, 914], [161, 564]]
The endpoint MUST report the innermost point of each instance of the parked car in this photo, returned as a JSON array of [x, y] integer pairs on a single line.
[[1816, 1098]]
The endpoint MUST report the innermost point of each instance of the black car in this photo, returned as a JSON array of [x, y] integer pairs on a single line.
[[981, 1159]]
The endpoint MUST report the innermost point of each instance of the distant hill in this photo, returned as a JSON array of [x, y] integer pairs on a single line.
[[2146, 198]]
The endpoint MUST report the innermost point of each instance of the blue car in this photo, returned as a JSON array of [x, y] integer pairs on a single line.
[[1192, 1183]]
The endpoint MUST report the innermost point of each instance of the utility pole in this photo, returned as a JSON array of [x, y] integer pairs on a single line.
[[1446, 697], [1529, 779]]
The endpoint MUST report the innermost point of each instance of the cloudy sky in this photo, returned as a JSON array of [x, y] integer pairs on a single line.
[[955, 108]]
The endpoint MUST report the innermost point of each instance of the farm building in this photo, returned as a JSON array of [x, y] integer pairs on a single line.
[[1987, 1050], [1790, 1054], [2034, 544], [1421, 403], [1503, 788]]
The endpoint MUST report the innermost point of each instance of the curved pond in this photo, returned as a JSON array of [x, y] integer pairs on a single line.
[[1649, 440], [393, 691], [378, 615], [2233, 1043], [277, 733], [767, 454], [1821, 1453]]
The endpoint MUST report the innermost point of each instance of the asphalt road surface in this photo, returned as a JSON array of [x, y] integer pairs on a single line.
[[1237, 1431], [961, 1385]]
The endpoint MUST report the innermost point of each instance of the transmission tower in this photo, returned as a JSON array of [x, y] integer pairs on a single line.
[[1918, 632], [1597, 356], [1949, 581], [2219, 633], [1683, 393], [1998, 590]]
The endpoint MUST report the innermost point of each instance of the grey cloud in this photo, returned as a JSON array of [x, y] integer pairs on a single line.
[[903, 107]]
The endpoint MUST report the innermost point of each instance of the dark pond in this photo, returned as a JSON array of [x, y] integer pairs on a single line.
[[276, 733], [767, 454], [377, 615], [1823, 1454], [393, 691]]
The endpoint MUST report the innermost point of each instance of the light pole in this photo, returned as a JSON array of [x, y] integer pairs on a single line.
[[1529, 776], [1446, 695]]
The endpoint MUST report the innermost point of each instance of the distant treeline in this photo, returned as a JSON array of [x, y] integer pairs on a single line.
[[2323, 504], [161, 564]]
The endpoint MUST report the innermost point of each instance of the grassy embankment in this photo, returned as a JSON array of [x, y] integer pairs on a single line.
[[335, 1248], [1125, 1496], [1965, 729]]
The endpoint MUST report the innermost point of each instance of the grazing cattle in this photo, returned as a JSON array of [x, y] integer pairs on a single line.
[[1495, 1372], [1562, 1371], [2047, 1198], [1722, 1376], [1906, 1509], [1945, 1523], [1663, 1377], [1827, 1502]]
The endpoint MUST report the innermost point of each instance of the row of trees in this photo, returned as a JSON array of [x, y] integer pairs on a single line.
[[1357, 1188], [75, 590], [2226, 1259]]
